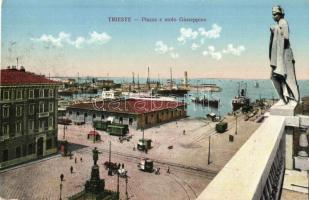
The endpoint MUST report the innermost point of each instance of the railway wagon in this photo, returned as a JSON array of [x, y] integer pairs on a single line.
[[117, 129], [221, 127], [101, 125]]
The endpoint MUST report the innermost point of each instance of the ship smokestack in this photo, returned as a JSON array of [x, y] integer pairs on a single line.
[[185, 81]]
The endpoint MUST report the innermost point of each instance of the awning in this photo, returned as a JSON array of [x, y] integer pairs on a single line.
[[93, 133]]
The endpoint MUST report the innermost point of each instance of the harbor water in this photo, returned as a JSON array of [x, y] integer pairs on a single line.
[[256, 89]]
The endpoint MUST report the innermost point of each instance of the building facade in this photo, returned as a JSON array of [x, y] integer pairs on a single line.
[[28, 115], [137, 113]]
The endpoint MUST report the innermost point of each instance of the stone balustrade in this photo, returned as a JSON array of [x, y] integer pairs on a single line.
[[256, 171]]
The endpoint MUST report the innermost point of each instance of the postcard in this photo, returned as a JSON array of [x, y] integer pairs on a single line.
[[166, 99]]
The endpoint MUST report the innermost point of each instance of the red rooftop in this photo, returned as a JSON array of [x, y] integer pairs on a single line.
[[133, 106], [22, 77]]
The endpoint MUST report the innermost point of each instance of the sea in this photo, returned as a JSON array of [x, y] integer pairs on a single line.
[[229, 89]]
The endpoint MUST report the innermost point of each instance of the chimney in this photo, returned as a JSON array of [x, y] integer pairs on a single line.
[[8, 67], [13, 67]]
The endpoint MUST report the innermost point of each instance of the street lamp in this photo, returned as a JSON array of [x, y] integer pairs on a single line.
[[60, 198], [236, 125], [127, 188], [94, 132], [110, 172], [118, 196], [209, 149], [63, 131]]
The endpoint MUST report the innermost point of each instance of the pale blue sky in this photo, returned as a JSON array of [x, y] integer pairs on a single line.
[[120, 48]]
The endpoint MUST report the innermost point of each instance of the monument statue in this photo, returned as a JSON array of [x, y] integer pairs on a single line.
[[95, 155], [281, 59]]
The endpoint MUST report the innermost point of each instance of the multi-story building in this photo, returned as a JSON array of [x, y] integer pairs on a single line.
[[28, 116]]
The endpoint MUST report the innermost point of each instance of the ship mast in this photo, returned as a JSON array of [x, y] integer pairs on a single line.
[[171, 80], [148, 80]]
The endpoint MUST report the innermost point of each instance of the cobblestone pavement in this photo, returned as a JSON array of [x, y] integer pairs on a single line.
[[190, 172]]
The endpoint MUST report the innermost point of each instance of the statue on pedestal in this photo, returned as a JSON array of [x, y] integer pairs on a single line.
[[95, 155], [281, 59]]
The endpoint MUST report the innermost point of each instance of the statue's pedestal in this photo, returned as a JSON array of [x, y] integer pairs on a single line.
[[283, 109], [287, 110], [95, 185]]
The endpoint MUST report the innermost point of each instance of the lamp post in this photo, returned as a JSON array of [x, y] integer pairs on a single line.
[[60, 198], [127, 188], [236, 125], [110, 172], [209, 149], [63, 131], [94, 133], [118, 196]]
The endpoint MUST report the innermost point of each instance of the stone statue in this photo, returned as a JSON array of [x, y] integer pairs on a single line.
[[281, 59], [95, 155]]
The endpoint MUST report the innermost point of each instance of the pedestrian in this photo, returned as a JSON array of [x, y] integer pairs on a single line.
[[184, 132], [61, 177], [71, 169], [81, 159], [122, 165], [168, 170], [75, 160], [146, 150]]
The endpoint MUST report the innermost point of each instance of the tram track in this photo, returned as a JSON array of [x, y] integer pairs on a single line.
[[207, 173]]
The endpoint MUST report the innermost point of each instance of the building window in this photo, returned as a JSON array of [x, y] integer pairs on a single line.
[[51, 107], [41, 93], [70, 112], [94, 116], [19, 94], [50, 122], [5, 130], [41, 107], [43, 126], [50, 93], [18, 127], [5, 155], [77, 113], [31, 94], [18, 152], [31, 149], [31, 109], [19, 111], [130, 121], [24, 149], [49, 143], [102, 116], [31, 125], [5, 111], [6, 95]]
